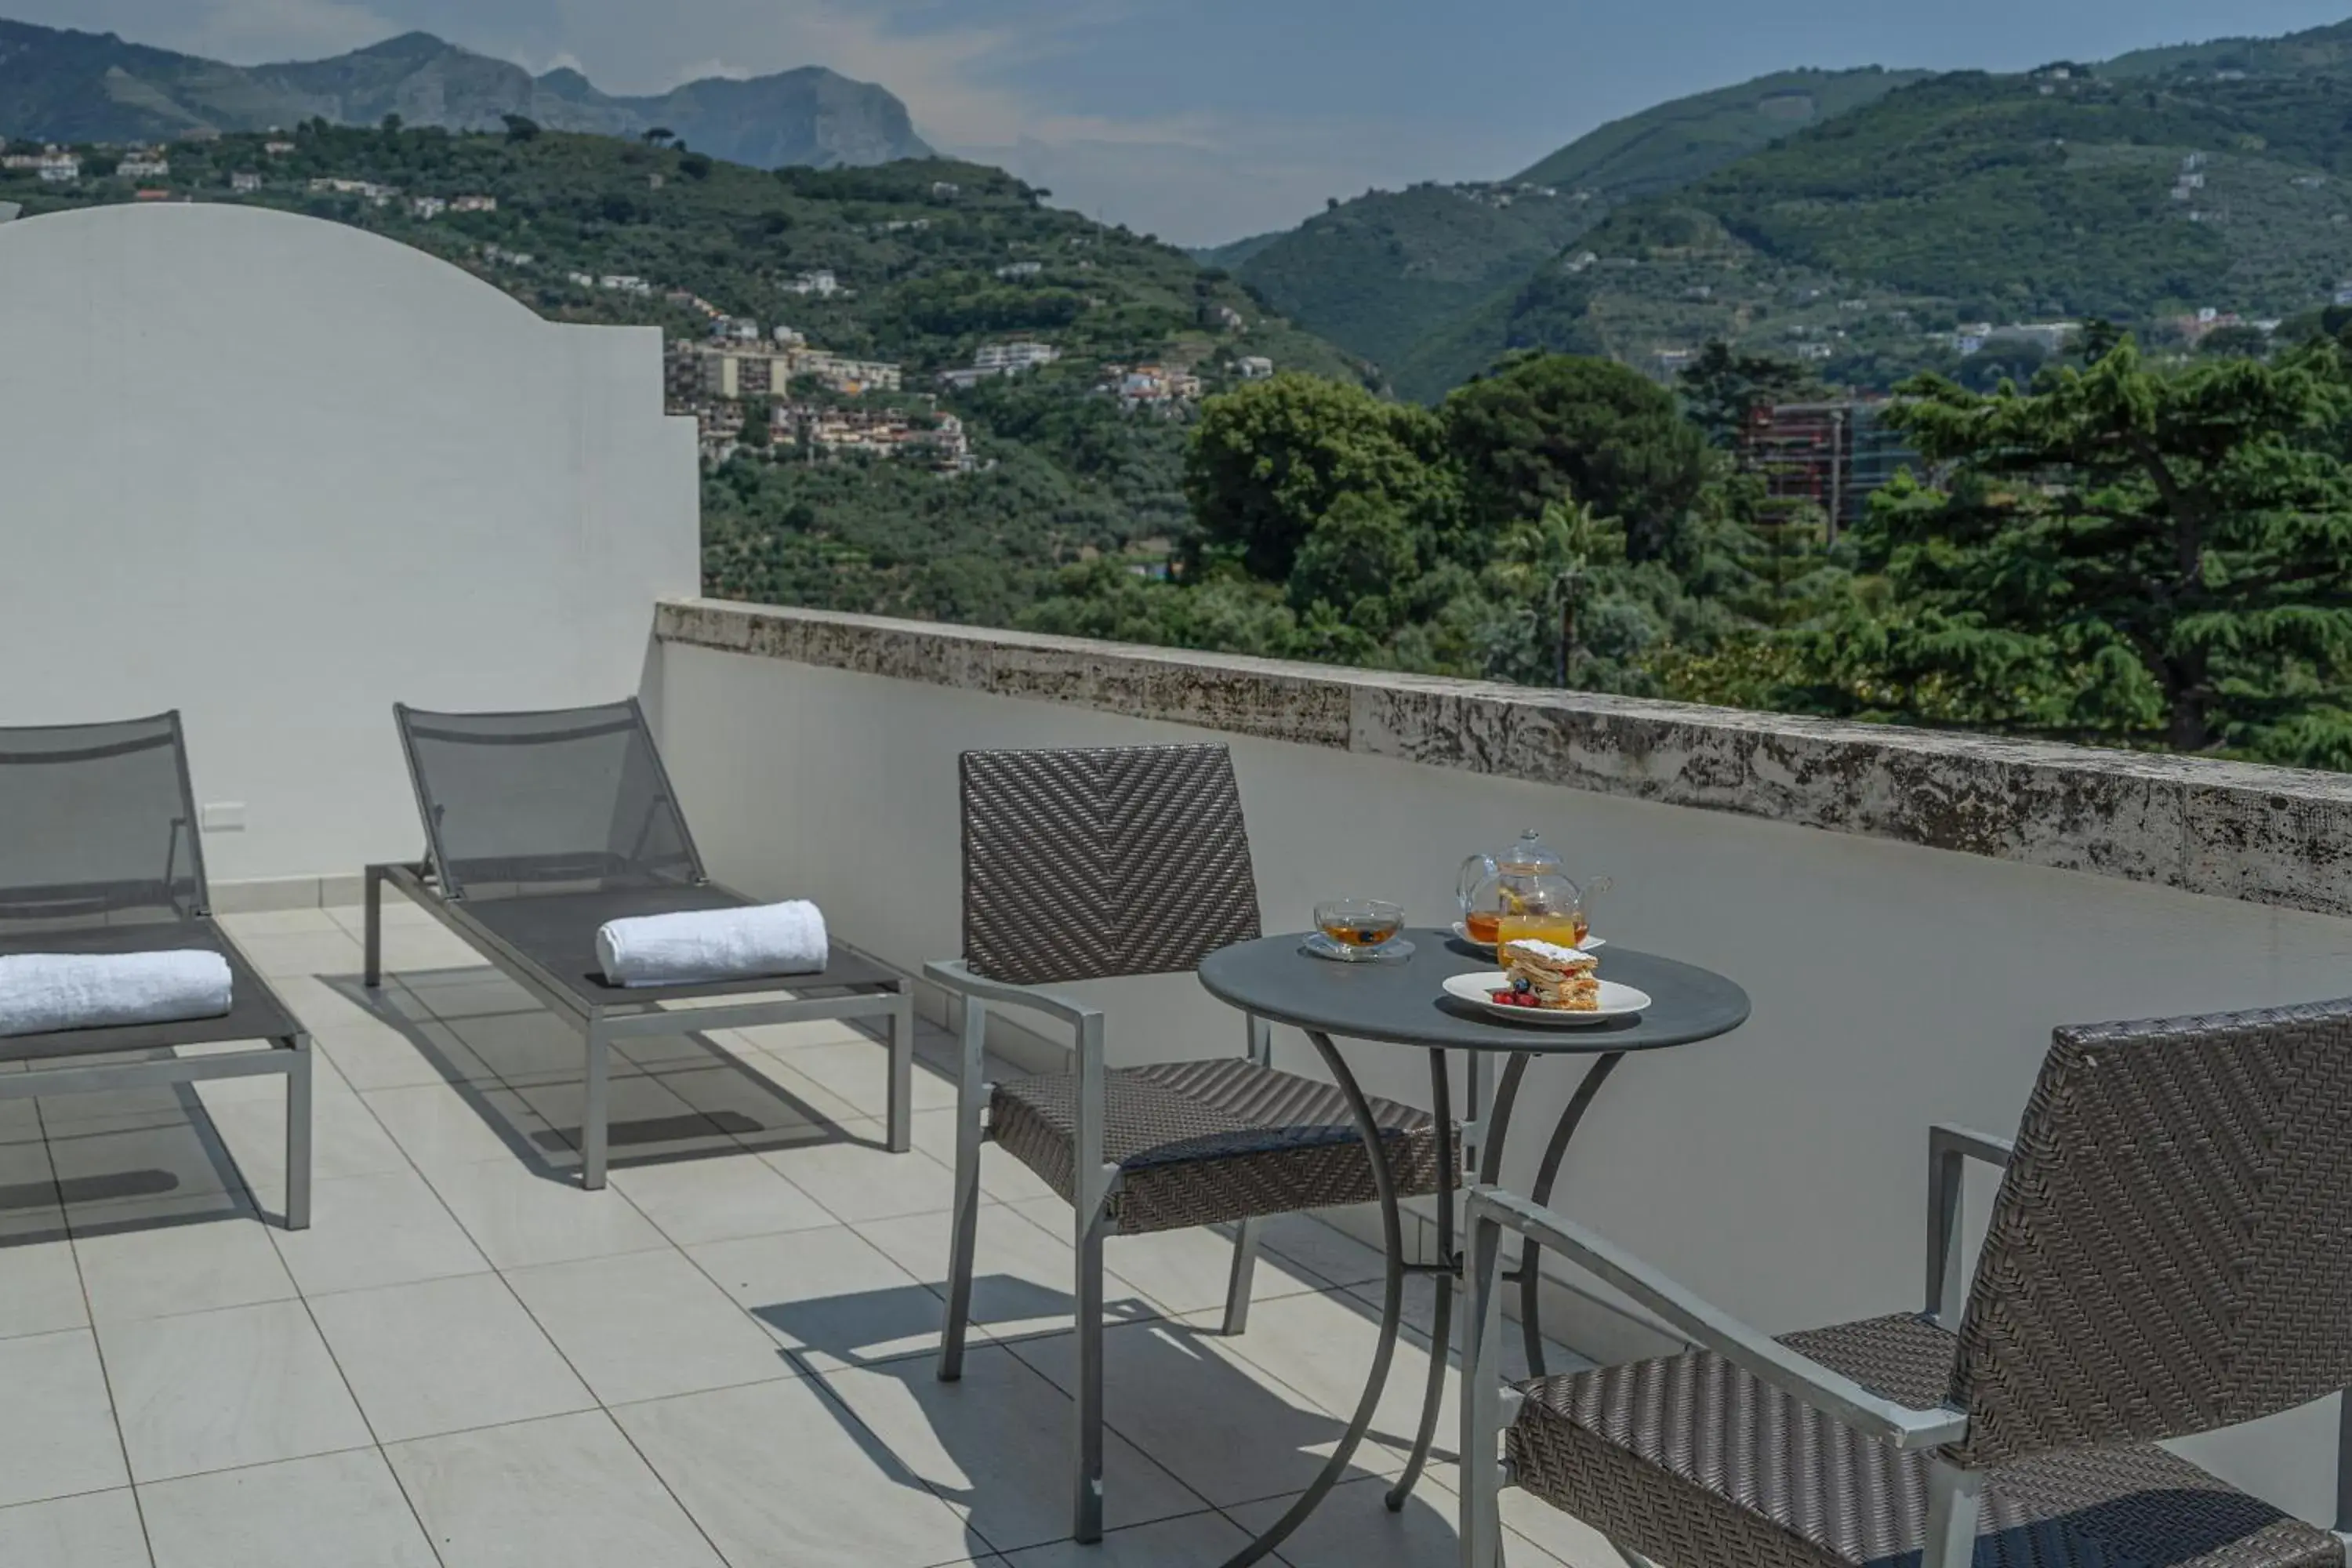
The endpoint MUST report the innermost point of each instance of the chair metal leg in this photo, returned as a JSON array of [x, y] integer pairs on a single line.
[[902, 1071], [2344, 1465], [1260, 1051], [1239, 1283], [298, 1135], [964, 1221], [1481, 1522], [1094, 1179], [596, 1122], [1441, 1328], [1086, 1451], [1954, 1497], [372, 904]]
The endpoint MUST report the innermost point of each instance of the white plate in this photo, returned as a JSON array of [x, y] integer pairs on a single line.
[[1616, 1000], [1590, 945]]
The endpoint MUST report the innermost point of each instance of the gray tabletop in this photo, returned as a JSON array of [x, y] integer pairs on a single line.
[[1405, 1004]]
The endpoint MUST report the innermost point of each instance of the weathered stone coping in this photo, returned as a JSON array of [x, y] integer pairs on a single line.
[[2263, 835]]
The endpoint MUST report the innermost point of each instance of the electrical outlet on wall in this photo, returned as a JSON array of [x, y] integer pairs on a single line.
[[221, 816]]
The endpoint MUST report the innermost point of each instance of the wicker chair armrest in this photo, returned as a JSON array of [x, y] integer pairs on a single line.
[[1948, 1148], [1710, 1327], [955, 976]]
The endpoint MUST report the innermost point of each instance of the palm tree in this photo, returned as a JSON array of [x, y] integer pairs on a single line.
[[1545, 564], [658, 135]]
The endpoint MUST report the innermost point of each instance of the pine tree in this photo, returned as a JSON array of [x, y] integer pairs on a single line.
[[2170, 549]]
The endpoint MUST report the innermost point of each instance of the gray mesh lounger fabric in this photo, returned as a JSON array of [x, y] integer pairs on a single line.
[[98, 853], [1686, 1459], [557, 931], [255, 1012], [569, 800], [97, 825], [542, 827]]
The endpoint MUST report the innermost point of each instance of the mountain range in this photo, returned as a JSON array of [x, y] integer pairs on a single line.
[[67, 85], [1849, 217]]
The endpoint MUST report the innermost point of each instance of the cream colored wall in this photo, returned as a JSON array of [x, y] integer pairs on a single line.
[[278, 473], [1781, 1170]]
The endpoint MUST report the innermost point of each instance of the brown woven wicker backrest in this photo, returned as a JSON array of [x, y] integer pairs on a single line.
[[2168, 1253], [1079, 865]]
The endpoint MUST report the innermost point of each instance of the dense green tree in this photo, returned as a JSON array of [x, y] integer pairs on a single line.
[[1722, 389], [1548, 566], [1270, 460], [1228, 613], [2170, 549], [2241, 341], [1361, 559], [519, 128], [1556, 427]]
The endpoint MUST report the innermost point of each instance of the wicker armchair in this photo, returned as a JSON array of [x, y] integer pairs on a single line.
[[1083, 865], [2165, 1257]]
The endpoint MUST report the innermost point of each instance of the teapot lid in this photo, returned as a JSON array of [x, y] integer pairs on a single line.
[[1529, 856]]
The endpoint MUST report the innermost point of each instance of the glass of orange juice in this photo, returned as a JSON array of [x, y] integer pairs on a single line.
[[1564, 928]]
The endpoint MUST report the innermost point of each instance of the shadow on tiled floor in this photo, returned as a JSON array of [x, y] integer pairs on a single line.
[[725, 1359]]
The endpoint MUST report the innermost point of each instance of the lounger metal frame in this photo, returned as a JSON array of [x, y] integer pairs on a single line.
[[599, 1024], [287, 1054]]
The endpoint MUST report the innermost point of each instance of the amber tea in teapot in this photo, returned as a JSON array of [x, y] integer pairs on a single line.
[[1524, 893]]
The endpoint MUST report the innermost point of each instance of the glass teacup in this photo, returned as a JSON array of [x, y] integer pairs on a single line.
[[1355, 929]]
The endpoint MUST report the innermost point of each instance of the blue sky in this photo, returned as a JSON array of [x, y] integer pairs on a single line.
[[1205, 120]]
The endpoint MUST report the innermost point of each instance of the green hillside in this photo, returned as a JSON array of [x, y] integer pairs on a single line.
[[917, 247], [2325, 49], [1234, 252], [1669, 146], [1374, 273], [1966, 197], [1379, 273]]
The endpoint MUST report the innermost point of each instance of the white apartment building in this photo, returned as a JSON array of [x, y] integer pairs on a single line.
[[145, 166], [1255, 367], [1011, 359], [821, 283], [845, 376], [244, 181]]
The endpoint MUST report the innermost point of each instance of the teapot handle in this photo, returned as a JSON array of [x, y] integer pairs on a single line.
[[1475, 870]]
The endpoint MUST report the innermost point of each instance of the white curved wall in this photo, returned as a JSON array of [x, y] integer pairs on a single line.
[[278, 473]]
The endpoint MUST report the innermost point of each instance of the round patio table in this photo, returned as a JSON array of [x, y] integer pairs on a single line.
[[1405, 1004]]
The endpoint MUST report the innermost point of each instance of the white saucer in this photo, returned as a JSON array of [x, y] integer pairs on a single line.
[[1616, 1000]]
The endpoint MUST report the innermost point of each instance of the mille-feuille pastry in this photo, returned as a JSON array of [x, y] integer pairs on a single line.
[[1564, 979]]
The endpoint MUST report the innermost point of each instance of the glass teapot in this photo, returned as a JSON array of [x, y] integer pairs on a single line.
[[1523, 891]]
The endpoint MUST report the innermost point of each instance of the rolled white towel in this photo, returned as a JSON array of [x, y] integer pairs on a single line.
[[41, 993], [696, 946]]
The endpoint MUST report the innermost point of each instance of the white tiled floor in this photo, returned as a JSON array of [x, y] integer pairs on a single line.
[[723, 1361]]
